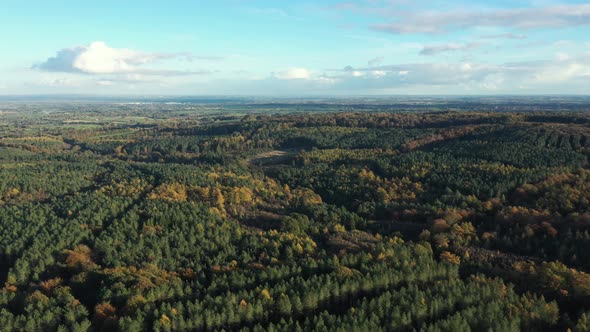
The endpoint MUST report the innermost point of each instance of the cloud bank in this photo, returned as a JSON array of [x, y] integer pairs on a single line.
[[543, 75], [431, 22]]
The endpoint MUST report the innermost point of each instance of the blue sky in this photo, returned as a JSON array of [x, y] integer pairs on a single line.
[[295, 48]]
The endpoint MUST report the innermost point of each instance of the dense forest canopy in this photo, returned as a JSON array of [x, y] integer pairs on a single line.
[[294, 216]]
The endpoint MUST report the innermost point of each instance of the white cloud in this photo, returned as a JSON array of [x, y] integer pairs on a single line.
[[376, 61], [441, 48], [562, 43], [561, 56], [293, 74], [431, 22], [99, 58], [105, 82], [564, 71], [58, 82], [504, 36], [378, 73]]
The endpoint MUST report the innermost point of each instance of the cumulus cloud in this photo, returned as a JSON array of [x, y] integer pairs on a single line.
[[450, 47], [431, 22], [99, 58], [293, 74]]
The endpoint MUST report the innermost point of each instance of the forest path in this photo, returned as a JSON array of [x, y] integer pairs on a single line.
[[273, 156]]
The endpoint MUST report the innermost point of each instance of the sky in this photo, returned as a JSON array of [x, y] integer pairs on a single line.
[[295, 48]]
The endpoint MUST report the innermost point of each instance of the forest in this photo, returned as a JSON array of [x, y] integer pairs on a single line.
[[286, 217]]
